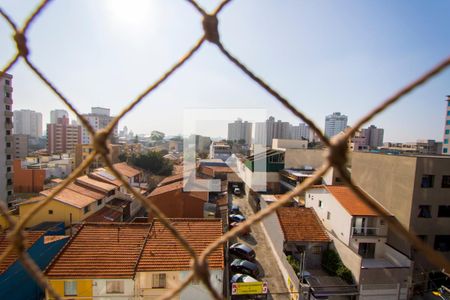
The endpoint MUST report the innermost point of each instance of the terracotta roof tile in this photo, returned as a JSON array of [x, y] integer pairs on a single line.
[[301, 224], [126, 170], [164, 252], [70, 197], [352, 203], [76, 187], [31, 238], [177, 185], [106, 214], [95, 183], [171, 179], [102, 250]]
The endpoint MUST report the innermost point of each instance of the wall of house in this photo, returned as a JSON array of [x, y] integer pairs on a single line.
[[340, 222], [143, 281], [197, 290], [27, 180], [84, 288], [16, 283], [383, 292], [258, 181], [349, 258], [178, 204], [99, 289]]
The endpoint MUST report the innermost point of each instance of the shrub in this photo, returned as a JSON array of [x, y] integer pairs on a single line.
[[294, 263], [332, 263]]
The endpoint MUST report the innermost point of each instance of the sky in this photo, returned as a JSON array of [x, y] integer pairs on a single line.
[[324, 56]]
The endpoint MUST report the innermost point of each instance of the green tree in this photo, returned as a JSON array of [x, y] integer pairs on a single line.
[[153, 162]]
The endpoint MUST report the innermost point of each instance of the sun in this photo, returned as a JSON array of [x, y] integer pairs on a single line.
[[131, 12]]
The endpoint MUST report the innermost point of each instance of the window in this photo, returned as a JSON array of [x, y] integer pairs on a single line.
[[445, 150], [9, 193], [316, 250], [8, 169], [448, 122], [445, 181], [320, 203], [8, 132], [448, 112], [427, 181], [9, 182], [442, 243], [8, 107], [445, 141], [328, 215], [7, 82], [8, 156], [86, 209], [70, 288], [159, 281], [50, 212], [447, 131], [444, 211], [8, 145], [424, 211], [114, 287], [99, 202]]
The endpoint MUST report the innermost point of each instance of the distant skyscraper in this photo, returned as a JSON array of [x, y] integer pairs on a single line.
[[265, 132], [335, 123], [57, 113], [239, 130], [374, 136], [62, 137], [28, 122], [445, 144], [302, 131], [6, 139], [98, 118]]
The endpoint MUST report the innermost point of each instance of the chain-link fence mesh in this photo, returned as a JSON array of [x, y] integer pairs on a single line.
[[337, 155]]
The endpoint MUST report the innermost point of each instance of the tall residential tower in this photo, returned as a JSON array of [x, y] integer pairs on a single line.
[[6, 140], [445, 144], [28, 122], [335, 123], [240, 131]]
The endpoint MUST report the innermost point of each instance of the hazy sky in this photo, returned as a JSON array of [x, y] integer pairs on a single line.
[[324, 56]]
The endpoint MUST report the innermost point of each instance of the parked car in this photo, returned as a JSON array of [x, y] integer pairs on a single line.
[[242, 251], [235, 209], [237, 191], [236, 218], [245, 267], [242, 278], [245, 231]]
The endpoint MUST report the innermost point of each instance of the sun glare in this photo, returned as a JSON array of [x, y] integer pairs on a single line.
[[131, 12]]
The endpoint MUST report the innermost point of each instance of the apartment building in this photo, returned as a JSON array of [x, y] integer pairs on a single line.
[[28, 122], [359, 236], [82, 151], [374, 136], [266, 131], [446, 145], [6, 140], [143, 261], [415, 190], [57, 114], [335, 123], [240, 131], [99, 118], [62, 137], [219, 150], [20, 146], [301, 132]]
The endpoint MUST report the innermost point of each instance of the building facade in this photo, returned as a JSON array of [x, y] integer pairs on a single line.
[[56, 114], [240, 131], [99, 118], [301, 132], [335, 123], [415, 190], [219, 150], [446, 145], [6, 139], [374, 136], [28, 122], [266, 131], [62, 137], [20, 146]]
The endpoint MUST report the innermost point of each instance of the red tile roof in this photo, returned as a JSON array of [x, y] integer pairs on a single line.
[[171, 179], [106, 214], [103, 186], [81, 189], [71, 197], [352, 203], [300, 224], [31, 238], [102, 250], [177, 185], [126, 170], [164, 252]]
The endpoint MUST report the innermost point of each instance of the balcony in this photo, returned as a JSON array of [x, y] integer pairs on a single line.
[[366, 231], [8, 126], [8, 113]]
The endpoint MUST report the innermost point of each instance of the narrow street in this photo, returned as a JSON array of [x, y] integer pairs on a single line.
[[264, 256]]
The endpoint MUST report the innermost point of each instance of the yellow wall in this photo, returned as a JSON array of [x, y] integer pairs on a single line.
[[144, 284], [4, 223], [84, 289], [61, 212]]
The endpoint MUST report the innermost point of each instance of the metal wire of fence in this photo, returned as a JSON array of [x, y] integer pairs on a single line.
[[337, 154]]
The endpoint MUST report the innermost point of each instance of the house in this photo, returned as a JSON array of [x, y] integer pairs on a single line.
[[42, 244], [359, 236], [304, 235], [134, 260], [73, 204]]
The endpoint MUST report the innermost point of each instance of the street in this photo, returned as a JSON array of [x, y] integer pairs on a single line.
[[264, 256]]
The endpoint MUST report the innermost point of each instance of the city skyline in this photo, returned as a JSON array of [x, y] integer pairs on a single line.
[[367, 61]]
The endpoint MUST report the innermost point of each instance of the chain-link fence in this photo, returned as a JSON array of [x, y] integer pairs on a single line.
[[337, 154]]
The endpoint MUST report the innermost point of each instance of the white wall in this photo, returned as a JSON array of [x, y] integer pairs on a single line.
[[199, 291], [282, 144], [340, 222], [99, 290]]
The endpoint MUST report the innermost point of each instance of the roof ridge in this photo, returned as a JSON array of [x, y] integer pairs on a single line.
[[144, 243]]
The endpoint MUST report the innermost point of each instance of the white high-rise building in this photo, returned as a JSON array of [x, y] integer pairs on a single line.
[[374, 136], [335, 123], [266, 131], [28, 122], [445, 143], [98, 118], [6, 140], [56, 114], [239, 130]]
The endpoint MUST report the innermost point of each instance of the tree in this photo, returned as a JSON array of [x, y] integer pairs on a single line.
[[153, 162], [136, 139], [122, 157], [157, 135]]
